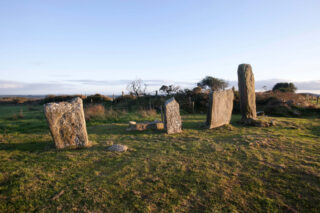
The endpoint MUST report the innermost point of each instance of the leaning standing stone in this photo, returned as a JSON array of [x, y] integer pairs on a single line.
[[173, 122], [220, 108], [247, 92], [67, 124]]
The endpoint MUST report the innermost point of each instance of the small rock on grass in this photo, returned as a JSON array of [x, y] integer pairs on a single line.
[[118, 148]]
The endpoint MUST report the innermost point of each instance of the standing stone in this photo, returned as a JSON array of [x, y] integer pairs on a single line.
[[173, 122], [220, 108], [247, 92], [67, 124]]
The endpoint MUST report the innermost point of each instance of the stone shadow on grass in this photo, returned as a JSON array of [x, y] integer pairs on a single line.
[[28, 147], [40, 147], [118, 130], [315, 130]]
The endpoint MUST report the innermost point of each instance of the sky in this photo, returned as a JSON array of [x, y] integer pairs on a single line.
[[81, 46]]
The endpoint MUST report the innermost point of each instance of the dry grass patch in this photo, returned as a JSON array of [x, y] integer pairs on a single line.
[[94, 112], [147, 112]]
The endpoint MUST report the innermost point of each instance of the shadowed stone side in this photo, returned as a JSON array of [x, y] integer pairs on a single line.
[[220, 108], [67, 124], [247, 92], [173, 122]]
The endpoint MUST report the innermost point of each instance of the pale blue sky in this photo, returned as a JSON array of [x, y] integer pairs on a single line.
[[74, 46]]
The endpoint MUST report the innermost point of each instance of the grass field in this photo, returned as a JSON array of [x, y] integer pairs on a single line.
[[230, 169]]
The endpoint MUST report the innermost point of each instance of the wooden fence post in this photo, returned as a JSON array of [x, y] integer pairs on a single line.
[[192, 106], [150, 107], [162, 116]]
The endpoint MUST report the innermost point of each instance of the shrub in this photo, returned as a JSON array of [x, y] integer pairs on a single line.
[[284, 87], [212, 83], [18, 100], [97, 98], [197, 90], [170, 89], [186, 97], [60, 98], [124, 98]]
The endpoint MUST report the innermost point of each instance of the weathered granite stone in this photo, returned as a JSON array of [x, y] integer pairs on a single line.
[[67, 124], [118, 148], [173, 122], [220, 108], [247, 92], [154, 125]]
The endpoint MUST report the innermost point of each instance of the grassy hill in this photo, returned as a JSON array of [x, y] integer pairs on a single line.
[[230, 169]]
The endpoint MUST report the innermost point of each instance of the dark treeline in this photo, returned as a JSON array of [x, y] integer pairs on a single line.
[[196, 101]]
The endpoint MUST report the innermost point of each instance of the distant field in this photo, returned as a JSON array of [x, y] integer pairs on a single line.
[[234, 168]]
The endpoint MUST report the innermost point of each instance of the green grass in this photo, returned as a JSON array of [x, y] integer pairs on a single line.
[[230, 169]]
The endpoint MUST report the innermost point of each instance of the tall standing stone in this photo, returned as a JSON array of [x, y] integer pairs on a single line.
[[247, 92], [220, 108], [173, 122], [67, 124]]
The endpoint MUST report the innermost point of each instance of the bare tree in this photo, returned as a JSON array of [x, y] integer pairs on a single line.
[[137, 87]]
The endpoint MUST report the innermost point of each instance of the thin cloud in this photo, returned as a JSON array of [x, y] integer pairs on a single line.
[[17, 88], [10, 85], [99, 83], [109, 87], [125, 82]]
